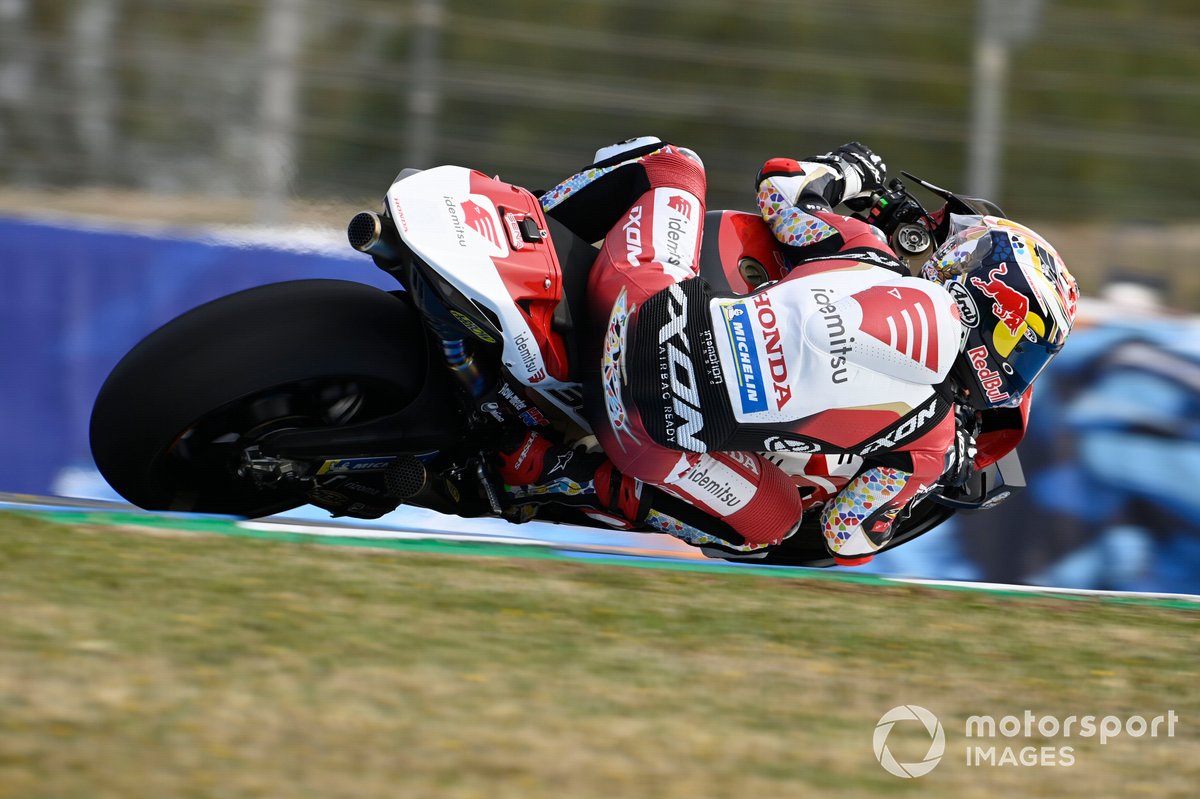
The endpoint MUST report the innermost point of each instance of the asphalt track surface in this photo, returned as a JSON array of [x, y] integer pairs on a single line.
[[561, 542]]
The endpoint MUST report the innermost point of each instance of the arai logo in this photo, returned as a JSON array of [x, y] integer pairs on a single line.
[[968, 313]]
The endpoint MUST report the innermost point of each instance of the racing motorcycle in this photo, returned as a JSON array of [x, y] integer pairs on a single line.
[[358, 400]]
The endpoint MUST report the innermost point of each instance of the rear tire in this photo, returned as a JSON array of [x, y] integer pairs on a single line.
[[170, 422]]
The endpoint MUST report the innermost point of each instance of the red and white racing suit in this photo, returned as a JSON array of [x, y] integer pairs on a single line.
[[842, 359]]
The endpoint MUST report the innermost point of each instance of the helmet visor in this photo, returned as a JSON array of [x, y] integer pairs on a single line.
[[1026, 361]]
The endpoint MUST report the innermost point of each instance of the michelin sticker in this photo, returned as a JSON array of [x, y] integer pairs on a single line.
[[745, 353]]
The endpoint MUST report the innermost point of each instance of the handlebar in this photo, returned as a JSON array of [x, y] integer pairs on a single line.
[[903, 220]]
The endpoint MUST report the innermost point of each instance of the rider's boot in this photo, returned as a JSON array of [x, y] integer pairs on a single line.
[[591, 201], [536, 471]]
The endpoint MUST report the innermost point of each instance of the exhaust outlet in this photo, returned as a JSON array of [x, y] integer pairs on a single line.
[[405, 478], [373, 234]]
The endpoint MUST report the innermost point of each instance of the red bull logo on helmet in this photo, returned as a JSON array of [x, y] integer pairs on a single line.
[[1009, 305], [991, 380]]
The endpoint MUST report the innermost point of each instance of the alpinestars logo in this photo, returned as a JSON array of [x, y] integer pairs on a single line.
[[875, 257], [561, 461], [677, 377], [481, 221], [681, 206]]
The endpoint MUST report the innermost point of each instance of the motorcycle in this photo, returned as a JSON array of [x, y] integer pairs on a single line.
[[358, 400]]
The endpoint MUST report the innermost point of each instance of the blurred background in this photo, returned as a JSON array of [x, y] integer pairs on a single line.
[[155, 154]]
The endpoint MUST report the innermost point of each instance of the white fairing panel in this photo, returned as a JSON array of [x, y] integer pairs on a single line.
[[428, 209]]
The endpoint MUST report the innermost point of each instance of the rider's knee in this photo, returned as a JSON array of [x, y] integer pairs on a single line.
[[675, 168], [774, 510]]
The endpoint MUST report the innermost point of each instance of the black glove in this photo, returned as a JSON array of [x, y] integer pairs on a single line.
[[863, 171]]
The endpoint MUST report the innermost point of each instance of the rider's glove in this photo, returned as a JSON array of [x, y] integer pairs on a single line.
[[862, 170], [960, 460]]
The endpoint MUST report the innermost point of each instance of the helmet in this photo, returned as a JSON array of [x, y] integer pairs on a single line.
[[1016, 301]]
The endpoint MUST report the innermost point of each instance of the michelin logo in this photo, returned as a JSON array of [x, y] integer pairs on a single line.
[[346, 465], [745, 353]]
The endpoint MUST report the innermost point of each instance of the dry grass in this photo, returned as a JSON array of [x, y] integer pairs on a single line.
[[145, 666]]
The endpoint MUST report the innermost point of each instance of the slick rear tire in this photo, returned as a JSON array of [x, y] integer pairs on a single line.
[[171, 421]]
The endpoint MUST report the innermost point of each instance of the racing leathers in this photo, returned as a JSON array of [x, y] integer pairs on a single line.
[[844, 359]]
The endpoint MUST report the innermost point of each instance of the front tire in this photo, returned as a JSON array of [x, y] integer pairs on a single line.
[[171, 421]]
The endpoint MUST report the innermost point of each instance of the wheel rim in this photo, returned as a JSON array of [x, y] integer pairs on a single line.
[[200, 465]]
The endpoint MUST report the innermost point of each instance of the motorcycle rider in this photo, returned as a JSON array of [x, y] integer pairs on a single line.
[[848, 358]]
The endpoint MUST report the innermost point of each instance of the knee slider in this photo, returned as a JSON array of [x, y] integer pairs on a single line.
[[775, 510], [672, 168]]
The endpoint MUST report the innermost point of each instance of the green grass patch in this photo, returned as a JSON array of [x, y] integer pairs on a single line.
[[136, 664]]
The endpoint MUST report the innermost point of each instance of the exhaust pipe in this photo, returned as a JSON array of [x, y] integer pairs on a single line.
[[405, 478], [375, 235]]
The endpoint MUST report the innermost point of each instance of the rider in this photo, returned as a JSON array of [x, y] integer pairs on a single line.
[[848, 357]]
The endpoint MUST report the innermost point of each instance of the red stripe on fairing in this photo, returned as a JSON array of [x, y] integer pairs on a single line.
[[903, 318]]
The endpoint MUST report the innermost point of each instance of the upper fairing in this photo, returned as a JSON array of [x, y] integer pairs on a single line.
[[454, 226]]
